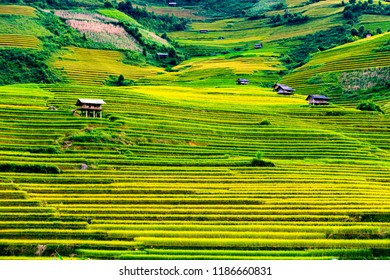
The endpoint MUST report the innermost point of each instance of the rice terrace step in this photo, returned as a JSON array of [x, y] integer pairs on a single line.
[[216, 150]]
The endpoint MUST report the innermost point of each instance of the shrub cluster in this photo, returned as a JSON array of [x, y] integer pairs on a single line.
[[29, 168], [155, 22], [353, 10], [265, 122], [384, 48], [362, 32], [25, 66], [288, 18], [257, 161], [119, 81], [369, 106], [278, 6]]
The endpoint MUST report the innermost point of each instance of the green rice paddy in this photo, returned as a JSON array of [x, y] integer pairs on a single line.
[[169, 165]]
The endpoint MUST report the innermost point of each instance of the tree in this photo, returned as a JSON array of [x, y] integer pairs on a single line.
[[369, 106], [354, 32], [361, 30], [348, 15], [121, 80], [108, 5], [379, 30], [259, 154], [257, 161], [172, 53]]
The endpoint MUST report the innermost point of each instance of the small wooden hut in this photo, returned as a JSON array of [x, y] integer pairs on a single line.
[[203, 31], [315, 99], [258, 46], [172, 4], [241, 81], [162, 55], [283, 89], [91, 107]]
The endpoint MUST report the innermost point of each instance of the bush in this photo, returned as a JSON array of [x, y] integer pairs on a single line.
[[25, 66], [259, 154], [279, 6], [119, 81], [108, 5], [369, 106], [44, 150], [334, 113], [260, 162], [256, 17], [29, 168], [257, 161], [354, 32], [265, 122], [288, 18]]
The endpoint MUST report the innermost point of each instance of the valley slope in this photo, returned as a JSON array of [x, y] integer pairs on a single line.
[[169, 171]]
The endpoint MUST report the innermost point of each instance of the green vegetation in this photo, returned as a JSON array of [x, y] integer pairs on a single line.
[[30, 168], [369, 106], [354, 10], [25, 66], [156, 22], [313, 43], [58, 4], [287, 18], [257, 161], [22, 25], [185, 163]]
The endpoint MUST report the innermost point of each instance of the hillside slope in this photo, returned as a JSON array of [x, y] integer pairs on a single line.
[[185, 163]]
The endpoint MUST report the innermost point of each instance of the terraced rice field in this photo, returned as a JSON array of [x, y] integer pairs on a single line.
[[17, 10], [19, 27], [169, 165], [170, 177], [19, 41], [176, 11], [244, 33], [361, 54], [94, 67]]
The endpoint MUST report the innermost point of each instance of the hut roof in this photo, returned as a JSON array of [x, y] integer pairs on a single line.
[[284, 87], [242, 80], [317, 96], [81, 101]]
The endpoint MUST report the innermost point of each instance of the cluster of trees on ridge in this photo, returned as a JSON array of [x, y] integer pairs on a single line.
[[158, 23], [354, 9], [25, 66], [288, 18]]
